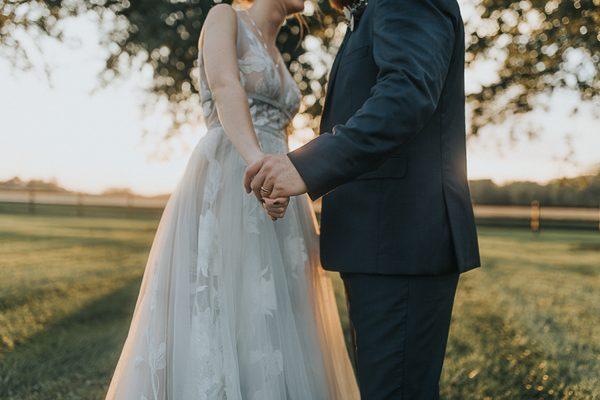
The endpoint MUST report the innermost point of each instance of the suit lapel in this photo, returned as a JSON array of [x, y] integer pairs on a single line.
[[334, 69]]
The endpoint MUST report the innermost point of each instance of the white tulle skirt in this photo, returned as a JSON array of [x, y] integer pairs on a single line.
[[233, 305]]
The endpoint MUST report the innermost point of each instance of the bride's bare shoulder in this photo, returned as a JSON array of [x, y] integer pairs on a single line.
[[221, 14], [222, 20]]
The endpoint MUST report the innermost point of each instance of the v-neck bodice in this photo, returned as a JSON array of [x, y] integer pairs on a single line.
[[273, 96], [250, 25]]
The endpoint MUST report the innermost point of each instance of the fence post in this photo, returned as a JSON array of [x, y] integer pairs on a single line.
[[80, 204], [31, 201], [129, 203], [535, 216]]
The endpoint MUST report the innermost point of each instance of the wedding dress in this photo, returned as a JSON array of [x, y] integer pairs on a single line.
[[234, 306]]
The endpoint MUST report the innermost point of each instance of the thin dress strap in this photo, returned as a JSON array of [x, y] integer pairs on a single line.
[[254, 96]]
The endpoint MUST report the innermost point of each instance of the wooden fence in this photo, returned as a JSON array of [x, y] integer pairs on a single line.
[[535, 217], [79, 204]]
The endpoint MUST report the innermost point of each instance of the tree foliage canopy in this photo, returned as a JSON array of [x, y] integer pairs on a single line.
[[531, 47]]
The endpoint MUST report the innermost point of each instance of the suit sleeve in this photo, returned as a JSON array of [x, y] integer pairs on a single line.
[[412, 46]]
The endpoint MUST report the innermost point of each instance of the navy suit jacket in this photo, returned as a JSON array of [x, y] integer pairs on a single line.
[[391, 160]]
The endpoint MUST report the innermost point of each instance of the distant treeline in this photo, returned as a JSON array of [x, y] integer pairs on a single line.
[[582, 191], [17, 183], [52, 185]]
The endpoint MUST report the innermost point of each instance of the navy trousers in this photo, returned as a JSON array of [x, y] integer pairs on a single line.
[[400, 328]]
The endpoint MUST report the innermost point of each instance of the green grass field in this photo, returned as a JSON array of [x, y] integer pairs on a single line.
[[524, 327]]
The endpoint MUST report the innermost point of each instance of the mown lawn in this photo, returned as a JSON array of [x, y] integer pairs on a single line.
[[524, 327]]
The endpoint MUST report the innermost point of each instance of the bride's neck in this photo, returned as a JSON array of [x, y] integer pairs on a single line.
[[269, 16]]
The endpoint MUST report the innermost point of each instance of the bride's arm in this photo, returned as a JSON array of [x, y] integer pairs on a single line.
[[218, 44]]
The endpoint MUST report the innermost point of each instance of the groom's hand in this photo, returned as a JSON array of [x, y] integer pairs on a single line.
[[273, 176]]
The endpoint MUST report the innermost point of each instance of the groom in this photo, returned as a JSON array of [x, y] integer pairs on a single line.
[[390, 164]]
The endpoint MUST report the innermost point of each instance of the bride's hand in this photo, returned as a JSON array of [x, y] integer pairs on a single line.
[[253, 157], [276, 208]]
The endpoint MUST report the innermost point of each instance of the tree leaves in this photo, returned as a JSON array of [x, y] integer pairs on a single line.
[[534, 46]]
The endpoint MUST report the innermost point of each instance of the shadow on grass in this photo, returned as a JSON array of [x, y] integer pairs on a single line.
[[74, 357], [586, 246], [62, 241]]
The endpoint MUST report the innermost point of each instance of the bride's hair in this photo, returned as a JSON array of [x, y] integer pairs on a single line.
[[340, 4], [302, 24]]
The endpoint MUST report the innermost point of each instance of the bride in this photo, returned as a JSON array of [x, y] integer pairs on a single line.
[[234, 304]]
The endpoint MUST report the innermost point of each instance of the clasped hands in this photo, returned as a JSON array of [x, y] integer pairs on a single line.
[[274, 179]]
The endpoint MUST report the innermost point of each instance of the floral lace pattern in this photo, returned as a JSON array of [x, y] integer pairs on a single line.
[[273, 96], [272, 100], [230, 303]]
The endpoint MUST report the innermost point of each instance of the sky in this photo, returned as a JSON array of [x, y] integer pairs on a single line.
[[93, 140]]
